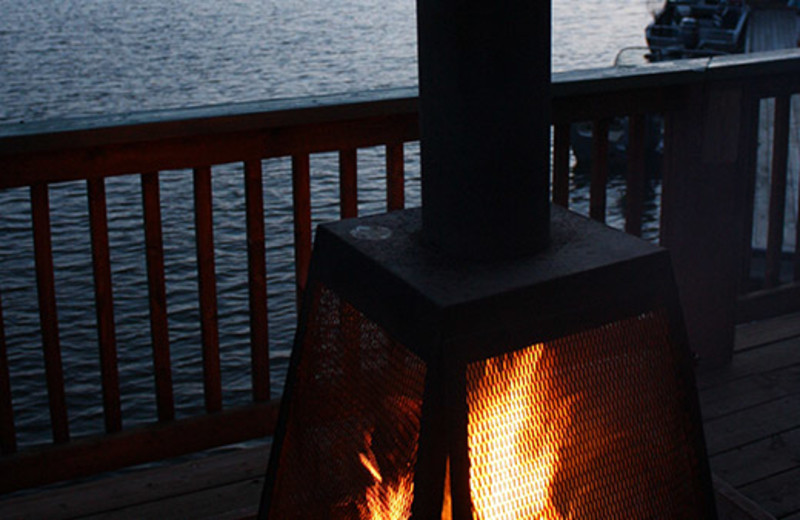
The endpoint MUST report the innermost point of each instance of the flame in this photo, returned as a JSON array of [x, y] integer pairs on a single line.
[[371, 466], [447, 502], [390, 501], [514, 436]]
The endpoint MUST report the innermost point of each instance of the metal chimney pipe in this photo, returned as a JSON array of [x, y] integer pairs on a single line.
[[484, 84]]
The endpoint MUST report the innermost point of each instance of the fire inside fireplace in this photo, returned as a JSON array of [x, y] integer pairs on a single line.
[[556, 386]]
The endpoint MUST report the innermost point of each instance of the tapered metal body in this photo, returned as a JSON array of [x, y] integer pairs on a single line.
[[559, 383]]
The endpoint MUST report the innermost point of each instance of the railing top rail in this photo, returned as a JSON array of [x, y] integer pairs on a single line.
[[755, 65], [49, 135], [605, 80], [91, 131], [751, 66]]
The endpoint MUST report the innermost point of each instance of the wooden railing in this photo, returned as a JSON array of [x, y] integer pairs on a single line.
[[94, 149], [714, 114], [776, 286], [709, 109]]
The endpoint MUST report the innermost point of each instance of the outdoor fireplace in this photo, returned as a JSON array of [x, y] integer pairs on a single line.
[[487, 356], [557, 385]]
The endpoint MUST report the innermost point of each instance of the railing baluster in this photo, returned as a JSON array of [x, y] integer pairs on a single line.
[[348, 183], [395, 177], [257, 283], [207, 288], [777, 197], [301, 195], [348, 190], [796, 259], [634, 189], [796, 263], [597, 201], [666, 212], [104, 304], [750, 131], [8, 434], [561, 143], [158, 296], [45, 281]]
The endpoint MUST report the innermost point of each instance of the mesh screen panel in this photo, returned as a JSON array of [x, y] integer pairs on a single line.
[[592, 425], [351, 438]]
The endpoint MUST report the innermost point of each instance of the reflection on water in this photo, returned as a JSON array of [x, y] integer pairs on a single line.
[[60, 58], [67, 57]]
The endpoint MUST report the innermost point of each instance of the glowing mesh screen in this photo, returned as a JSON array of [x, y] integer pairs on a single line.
[[592, 425], [351, 440]]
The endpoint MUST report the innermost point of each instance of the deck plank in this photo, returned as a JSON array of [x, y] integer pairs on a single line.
[[752, 422], [159, 490], [215, 503], [732, 505], [780, 355], [757, 334], [760, 460], [737, 395], [752, 425], [778, 494], [751, 412]]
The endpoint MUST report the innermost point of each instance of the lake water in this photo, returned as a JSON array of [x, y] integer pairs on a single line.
[[71, 57], [63, 58]]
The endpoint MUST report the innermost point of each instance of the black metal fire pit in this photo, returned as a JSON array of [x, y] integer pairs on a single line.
[[482, 357], [403, 356]]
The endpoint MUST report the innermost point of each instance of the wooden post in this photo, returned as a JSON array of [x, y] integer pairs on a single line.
[[301, 197], [104, 304], [257, 279], [8, 433], [777, 197], [348, 183], [635, 178], [599, 175], [395, 177], [157, 291], [708, 156], [561, 144], [207, 288], [48, 316]]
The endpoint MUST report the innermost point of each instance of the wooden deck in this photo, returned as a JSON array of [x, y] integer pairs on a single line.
[[751, 411], [752, 421], [217, 487]]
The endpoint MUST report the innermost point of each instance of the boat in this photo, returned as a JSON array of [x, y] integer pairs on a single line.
[[697, 28], [680, 29]]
